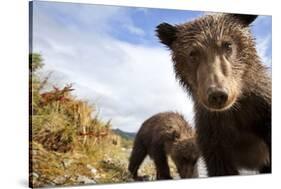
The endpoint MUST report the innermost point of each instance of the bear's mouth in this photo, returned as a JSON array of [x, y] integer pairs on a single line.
[[218, 108]]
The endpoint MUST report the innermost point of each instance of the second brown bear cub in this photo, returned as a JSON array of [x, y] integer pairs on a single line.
[[165, 134]]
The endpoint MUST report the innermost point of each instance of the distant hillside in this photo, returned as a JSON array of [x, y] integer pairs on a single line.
[[126, 135]]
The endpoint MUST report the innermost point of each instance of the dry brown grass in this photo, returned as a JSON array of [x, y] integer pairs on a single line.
[[70, 144]]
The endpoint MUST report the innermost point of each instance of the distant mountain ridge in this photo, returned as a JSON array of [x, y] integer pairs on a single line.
[[124, 134]]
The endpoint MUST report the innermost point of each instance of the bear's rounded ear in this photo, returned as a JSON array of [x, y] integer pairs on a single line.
[[166, 33], [245, 19]]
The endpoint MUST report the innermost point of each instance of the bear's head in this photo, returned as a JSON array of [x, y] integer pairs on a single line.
[[185, 154], [212, 56]]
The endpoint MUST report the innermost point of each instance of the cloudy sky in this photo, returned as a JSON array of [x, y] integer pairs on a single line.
[[114, 59]]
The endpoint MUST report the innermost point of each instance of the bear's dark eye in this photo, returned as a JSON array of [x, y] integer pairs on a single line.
[[193, 55], [227, 47]]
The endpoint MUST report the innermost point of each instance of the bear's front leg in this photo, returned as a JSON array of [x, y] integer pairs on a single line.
[[219, 163], [161, 163]]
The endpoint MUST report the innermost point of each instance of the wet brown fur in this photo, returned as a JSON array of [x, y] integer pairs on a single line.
[[165, 134], [238, 134]]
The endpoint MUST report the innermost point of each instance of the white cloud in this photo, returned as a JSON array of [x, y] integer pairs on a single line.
[[129, 83], [135, 30], [262, 31], [263, 44]]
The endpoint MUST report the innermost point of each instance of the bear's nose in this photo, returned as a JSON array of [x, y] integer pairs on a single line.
[[217, 96]]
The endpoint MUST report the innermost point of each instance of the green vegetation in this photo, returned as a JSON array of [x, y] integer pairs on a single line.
[[126, 135]]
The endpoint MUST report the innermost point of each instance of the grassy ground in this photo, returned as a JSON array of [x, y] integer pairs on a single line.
[[102, 164]]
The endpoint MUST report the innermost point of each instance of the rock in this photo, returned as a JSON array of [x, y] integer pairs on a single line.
[[34, 152], [34, 175], [108, 159], [85, 180], [59, 180], [92, 169], [49, 184]]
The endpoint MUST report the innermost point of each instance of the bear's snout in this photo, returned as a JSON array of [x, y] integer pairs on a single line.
[[217, 97]]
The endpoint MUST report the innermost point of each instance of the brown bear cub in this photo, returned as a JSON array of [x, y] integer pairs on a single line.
[[165, 134], [216, 61]]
